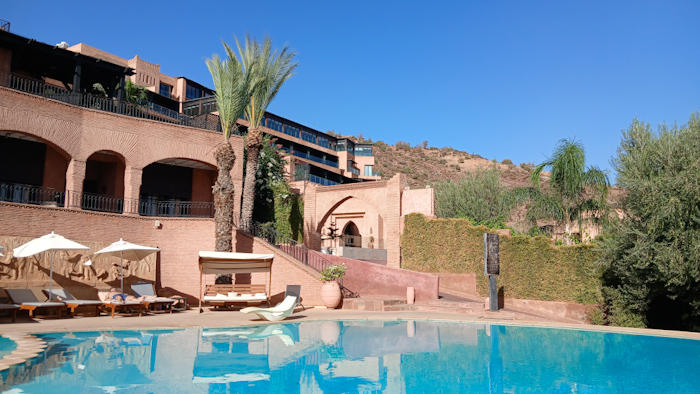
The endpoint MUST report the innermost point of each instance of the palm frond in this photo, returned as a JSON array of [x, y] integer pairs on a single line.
[[231, 88], [267, 71]]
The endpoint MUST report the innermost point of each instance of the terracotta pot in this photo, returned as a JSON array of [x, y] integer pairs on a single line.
[[330, 294]]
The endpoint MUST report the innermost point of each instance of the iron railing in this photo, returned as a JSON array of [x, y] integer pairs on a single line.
[[187, 209], [28, 194], [4, 25], [149, 111], [289, 246], [36, 195]]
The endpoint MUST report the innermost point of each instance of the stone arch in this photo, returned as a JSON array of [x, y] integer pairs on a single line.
[[34, 160], [104, 174]]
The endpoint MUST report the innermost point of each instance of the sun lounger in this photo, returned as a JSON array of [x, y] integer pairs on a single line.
[[119, 306], [26, 299], [276, 313], [145, 289], [9, 308], [294, 290], [67, 298]]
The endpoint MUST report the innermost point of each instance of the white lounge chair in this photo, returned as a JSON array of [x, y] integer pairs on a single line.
[[276, 313]]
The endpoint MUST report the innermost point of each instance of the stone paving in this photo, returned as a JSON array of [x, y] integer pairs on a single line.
[[214, 318]]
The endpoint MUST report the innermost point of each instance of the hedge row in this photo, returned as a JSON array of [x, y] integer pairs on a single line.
[[531, 267]]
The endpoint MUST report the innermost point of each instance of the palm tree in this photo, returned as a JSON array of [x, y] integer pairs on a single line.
[[232, 92], [267, 70], [574, 189]]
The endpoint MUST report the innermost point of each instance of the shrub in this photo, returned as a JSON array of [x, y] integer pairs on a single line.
[[333, 272], [461, 160], [381, 145], [529, 167], [443, 161], [507, 162], [403, 145], [531, 268]]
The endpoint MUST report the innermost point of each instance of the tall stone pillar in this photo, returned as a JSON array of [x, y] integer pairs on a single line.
[[394, 189], [75, 175], [132, 189], [312, 239]]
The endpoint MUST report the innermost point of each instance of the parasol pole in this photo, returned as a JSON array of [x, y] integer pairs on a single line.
[[52, 252], [121, 272], [200, 289]]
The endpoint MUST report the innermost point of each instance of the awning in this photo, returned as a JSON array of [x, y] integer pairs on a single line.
[[234, 263]]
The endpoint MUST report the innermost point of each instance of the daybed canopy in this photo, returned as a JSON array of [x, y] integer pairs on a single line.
[[234, 263]]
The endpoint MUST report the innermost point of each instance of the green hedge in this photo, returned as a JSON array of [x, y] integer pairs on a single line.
[[531, 267]]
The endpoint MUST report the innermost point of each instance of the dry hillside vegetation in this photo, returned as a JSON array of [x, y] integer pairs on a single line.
[[427, 166]]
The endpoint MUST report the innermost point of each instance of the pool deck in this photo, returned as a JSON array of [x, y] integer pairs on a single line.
[[210, 318]]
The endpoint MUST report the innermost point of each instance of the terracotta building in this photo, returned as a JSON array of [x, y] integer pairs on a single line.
[[84, 163]]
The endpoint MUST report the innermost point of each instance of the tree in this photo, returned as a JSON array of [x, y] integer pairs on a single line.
[[268, 70], [652, 254], [479, 197], [573, 188], [232, 92], [135, 94]]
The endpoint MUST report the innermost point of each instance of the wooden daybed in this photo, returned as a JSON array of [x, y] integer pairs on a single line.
[[234, 263]]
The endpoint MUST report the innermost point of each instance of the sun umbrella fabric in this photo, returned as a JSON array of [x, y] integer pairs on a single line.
[[49, 242], [2, 250], [125, 250]]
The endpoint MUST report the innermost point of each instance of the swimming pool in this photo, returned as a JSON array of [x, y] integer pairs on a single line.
[[359, 356]]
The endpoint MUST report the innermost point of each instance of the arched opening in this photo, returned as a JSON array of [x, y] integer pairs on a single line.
[[177, 187], [32, 171], [103, 186], [352, 236]]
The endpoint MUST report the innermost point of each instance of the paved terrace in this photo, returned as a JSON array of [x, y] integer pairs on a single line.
[[211, 318]]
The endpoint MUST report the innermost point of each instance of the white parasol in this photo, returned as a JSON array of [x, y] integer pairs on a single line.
[[49, 242], [125, 250], [2, 250]]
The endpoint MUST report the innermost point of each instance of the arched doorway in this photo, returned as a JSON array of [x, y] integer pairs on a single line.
[[351, 235], [32, 171], [103, 186]]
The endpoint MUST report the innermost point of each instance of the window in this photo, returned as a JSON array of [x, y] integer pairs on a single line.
[[192, 92], [307, 136], [369, 170], [166, 90], [274, 125], [363, 151], [291, 130]]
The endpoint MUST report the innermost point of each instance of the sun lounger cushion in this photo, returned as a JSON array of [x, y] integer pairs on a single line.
[[238, 298], [27, 297]]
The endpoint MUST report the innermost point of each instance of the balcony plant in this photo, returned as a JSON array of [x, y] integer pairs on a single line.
[[330, 292]]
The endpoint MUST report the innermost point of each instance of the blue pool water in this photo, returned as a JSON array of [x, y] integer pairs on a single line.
[[359, 357]]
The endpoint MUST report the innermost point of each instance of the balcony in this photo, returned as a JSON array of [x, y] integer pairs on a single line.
[[35, 195], [150, 111], [354, 171]]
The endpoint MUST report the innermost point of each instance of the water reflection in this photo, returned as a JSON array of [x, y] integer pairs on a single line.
[[358, 356]]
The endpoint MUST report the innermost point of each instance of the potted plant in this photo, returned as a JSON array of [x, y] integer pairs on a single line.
[[330, 292]]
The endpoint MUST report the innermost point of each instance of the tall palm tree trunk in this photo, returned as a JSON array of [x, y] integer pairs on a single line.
[[223, 196], [254, 144]]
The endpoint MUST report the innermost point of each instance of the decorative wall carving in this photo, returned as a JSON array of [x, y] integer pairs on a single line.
[[71, 269]]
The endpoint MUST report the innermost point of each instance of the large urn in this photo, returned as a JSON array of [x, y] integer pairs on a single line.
[[330, 294]]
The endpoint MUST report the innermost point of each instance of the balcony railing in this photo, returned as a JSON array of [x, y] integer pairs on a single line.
[[28, 194], [36, 195], [354, 171], [322, 181], [4, 25], [150, 111]]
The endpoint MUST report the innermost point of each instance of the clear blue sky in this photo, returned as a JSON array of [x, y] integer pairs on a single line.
[[503, 79]]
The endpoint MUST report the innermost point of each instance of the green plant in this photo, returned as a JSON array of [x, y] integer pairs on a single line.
[[574, 190], [507, 162], [334, 272], [652, 253], [268, 70], [531, 267]]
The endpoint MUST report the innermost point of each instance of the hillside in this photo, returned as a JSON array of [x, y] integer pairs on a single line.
[[426, 166]]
